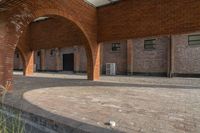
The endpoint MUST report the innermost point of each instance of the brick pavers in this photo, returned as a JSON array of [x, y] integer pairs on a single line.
[[136, 104]]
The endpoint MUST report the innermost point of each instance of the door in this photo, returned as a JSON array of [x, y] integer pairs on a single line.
[[38, 61], [68, 62]]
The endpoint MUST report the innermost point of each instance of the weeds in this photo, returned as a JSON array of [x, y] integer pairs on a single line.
[[10, 122]]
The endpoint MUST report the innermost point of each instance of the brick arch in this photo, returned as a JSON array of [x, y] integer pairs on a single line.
[[61, 14], [88, 44], [18, 25], [25, 59], [22, 25]]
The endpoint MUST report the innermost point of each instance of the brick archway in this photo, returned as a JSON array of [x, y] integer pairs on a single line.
[[14, 34]]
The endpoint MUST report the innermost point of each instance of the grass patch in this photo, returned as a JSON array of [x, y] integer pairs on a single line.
[[10, 121]]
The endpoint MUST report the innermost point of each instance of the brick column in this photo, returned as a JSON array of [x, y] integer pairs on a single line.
[[29, 64], [171, 58], [42, 60], [8, 40], [93, 59], [101, 60], [58, 60], [6, 66], [130, 57]]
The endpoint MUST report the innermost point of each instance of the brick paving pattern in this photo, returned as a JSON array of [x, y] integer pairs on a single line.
[[136, 104]]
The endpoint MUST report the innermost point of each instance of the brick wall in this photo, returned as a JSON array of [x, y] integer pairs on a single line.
[[65, 35], [150, 61], [143, 18], [187, 58], [50, 60], [144, 61], [65, 51], [119, 57], [83, 60]]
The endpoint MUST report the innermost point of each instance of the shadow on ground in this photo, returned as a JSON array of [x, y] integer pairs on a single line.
[[16, 101]]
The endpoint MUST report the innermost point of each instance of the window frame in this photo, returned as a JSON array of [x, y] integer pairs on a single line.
[[195, 40], [118, 48], [152, 44]]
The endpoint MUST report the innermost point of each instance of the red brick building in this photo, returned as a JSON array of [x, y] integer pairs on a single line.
[[34, 25]]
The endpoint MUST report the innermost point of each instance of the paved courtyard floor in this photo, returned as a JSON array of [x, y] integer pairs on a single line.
[[136, 104]]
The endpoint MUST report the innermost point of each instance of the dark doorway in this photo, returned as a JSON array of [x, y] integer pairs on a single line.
[[68, 62], [38, 61]]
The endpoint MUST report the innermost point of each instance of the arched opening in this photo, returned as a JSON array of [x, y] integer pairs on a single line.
[[16, 33], [43, 40], [18, 62]]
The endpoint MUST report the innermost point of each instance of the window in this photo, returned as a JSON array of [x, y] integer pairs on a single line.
[[52, 52], [115, 47], [194, 39], [149, 44], [38, 53]]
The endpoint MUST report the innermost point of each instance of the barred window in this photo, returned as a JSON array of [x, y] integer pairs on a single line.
[[115, 47], [194, 39], [149, 44]]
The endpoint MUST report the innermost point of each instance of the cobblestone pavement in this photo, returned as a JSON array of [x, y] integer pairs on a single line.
[[136, 104]]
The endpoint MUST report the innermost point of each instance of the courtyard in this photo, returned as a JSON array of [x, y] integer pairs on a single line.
[[137, 104], [151, 45]]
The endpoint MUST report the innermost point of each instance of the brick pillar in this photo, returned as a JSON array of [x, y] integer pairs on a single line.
[[58, 60], [77, 59], [171, 58], [6, 66], [42, 60], [7, 49], [130, 57], [101, 60], [93, 59], [29, 64]]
